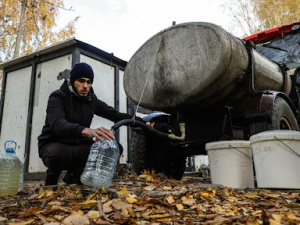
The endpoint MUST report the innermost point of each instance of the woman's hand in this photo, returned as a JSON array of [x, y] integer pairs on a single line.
[[98, 133]]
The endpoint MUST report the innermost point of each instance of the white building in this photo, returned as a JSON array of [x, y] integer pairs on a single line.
[[28, 82]]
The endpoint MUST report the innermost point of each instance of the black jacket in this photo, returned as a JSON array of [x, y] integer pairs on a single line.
[[68, 114]]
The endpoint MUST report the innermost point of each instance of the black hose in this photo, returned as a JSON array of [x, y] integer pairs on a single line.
[[143, 126]]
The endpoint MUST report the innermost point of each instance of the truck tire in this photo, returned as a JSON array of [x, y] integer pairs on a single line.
[[140, 159], [149, 153], [175, 167], [281, 118]]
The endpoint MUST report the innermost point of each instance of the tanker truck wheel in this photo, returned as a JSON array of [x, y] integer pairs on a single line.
[[175, 165], [140, 158], [150, 153], [282, 118]]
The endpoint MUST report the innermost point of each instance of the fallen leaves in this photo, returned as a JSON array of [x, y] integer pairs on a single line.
[[23, 223], [76, 219], [88, 204], [155, 200], [30, 212]]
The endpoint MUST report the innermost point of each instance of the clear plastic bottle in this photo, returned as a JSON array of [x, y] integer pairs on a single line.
[[10, 168], [101, 164]]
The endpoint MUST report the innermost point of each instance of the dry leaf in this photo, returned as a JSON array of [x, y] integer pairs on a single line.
[[76, 220], [220, 219], [78, 194], [3, 220], [232, 198], [150, 188], [23, 223], [179, 207], [272, 195], [55, 203], [79, 212], [93, 214], [167, 188], [124, 213], [170, 199], [123, 192], [30, 212], [89, 204], [292, 216], [140, 209], [33, 196], [189, 202], [107, 207], [118, 204], [157, 216], [256, 213], [231, 213], [205, 195], [148, 178], [251, 196], [131, 200], [58, 217], [274, 222]]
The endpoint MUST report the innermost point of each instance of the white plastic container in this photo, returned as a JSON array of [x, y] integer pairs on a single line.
[[276, 157], [231, 163], [10, 168]]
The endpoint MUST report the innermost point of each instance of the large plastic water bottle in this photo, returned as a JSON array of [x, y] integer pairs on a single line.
[[101, 164], [10, 168]]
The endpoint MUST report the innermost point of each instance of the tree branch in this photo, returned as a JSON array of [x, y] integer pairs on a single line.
[[50, 3]]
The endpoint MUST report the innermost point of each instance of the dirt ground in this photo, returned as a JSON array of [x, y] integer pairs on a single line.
[[149, 199]]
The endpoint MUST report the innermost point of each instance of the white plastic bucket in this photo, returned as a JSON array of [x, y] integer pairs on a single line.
[[276, 157], [231, 163]]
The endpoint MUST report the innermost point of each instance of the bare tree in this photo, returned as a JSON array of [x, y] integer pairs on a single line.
[[253, 16], [244, 20]]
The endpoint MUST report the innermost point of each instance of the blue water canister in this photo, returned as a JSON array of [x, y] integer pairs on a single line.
[[101, 164], [10, 169]]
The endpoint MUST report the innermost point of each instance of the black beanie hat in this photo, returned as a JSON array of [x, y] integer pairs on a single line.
[[81, 70]]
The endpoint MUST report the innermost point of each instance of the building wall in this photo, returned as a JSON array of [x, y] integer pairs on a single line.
[[23, 124], [123, 130], [46, 82], [15, 111]]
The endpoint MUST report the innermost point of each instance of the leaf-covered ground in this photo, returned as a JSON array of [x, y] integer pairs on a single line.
[[150, 199]]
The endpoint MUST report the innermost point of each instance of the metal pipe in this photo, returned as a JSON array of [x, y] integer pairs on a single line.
[[147, 128], [182, 130], [135, 123]]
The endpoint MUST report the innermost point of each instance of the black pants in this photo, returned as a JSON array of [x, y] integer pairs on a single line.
[[58, 157]]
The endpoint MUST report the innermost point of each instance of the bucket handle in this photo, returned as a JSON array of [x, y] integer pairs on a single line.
[[240, 152], [287, 146]]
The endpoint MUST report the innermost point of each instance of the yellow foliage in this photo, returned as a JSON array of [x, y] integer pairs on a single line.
[[254, 16], [274, 13], [35, 26]]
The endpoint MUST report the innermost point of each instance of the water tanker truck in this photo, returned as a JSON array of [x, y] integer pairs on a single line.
[[204, 84]]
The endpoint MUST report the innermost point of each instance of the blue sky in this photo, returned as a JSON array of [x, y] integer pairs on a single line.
[[122, 26]]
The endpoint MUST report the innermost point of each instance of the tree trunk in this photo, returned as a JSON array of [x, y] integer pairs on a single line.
[[20, 28]]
